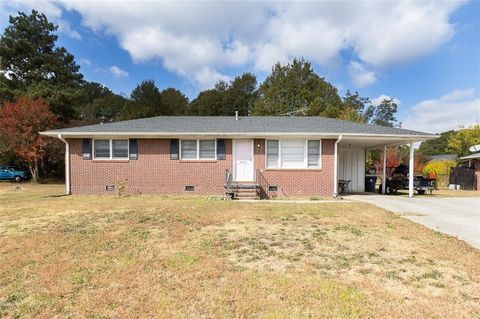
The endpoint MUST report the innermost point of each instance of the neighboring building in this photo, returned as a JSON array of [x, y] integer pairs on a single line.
[[285, 156], [472, 162]]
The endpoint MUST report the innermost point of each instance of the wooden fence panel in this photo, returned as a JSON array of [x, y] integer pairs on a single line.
[[463, 176]]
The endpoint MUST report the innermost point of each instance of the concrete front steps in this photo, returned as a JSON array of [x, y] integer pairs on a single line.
[[246, 194], [245, 191]]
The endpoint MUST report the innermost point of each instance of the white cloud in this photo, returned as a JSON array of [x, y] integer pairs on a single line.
[[191, 37], [65, 28], [460, 108], [84, 61], [397, 32], [360, 74], [117, 72], [207, 77], [376, 101]]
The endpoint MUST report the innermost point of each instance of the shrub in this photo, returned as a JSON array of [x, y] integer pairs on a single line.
[[441, 167], [120, 187]]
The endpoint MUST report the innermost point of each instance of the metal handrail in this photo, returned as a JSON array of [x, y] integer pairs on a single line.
[[261, 182], [228, 180]]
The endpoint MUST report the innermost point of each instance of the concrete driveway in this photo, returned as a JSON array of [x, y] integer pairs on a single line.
[[456, 216]]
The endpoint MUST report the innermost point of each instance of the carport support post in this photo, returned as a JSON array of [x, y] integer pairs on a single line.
[[410, 172], [384, 177]]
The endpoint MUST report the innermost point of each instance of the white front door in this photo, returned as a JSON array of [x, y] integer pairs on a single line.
[[243, 161]]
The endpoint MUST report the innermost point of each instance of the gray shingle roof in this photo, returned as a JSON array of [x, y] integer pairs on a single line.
[[246, 124]]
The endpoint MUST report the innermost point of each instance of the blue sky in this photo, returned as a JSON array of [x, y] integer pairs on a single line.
[[424, 54]]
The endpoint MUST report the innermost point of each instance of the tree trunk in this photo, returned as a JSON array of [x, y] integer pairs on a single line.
[[33, 167], [43, 170]]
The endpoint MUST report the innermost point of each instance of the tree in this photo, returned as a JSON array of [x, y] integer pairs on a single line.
[[226, 98], [437, 146], [100, 104], [32, 65], [20, 124], [382, 114], [240, 95], [354, 107], [209, 102], [460, 141], [395, 156], [175, 102], [145, 101], [296, 89], [440, 167]]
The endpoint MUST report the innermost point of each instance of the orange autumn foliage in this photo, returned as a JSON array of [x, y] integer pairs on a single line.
[[20, 124]]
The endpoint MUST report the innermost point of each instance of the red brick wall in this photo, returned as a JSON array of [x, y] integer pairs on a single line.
[[155, 173], [299, 182], [152, 173]]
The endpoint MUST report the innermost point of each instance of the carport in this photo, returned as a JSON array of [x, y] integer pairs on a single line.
[[350, 157]]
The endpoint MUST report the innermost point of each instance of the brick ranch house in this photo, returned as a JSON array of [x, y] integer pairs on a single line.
[[284, 156]]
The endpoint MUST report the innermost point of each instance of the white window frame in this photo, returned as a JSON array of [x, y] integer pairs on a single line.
[[305, 155], [319, 166], [198, 149], [110, 147]]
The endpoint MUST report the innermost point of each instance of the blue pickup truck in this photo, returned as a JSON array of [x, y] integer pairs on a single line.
[[10, 173]]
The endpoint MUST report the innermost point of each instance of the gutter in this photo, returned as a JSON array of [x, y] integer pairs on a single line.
[[335, 167], [360, 136], [67, 164]]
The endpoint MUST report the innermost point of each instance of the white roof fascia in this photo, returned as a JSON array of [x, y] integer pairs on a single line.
[[360, 136]]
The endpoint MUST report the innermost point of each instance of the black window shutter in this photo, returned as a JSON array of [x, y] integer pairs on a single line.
[[174, 149], [133, 148], [221, 150], [87, 148]]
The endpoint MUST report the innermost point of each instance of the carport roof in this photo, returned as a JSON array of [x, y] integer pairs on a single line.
[[230, 126]]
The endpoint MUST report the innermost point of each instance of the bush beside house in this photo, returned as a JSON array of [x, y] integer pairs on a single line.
[[439, 169]]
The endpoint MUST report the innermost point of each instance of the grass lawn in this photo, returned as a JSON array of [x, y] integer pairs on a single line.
[[151, 256], [455, 193]]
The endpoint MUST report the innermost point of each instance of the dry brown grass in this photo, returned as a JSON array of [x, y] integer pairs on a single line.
[[151, 256], [439, 193], [455, 193]]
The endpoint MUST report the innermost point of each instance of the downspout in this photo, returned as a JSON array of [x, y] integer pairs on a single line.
[[384, 175], [335, 167], [410, 171], [67, 164]]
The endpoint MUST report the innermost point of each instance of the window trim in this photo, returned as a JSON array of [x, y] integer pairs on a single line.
[[305, 155], [197, 158], [319, 166], [266, 154], [110, 148]]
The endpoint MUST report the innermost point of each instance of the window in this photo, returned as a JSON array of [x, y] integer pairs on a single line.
[[313, 153], [110, 149], [272, 188], [198, 149], [293, 154], [272, 154], [120, 148], [207, 149], [189, 149], [101, 149]]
